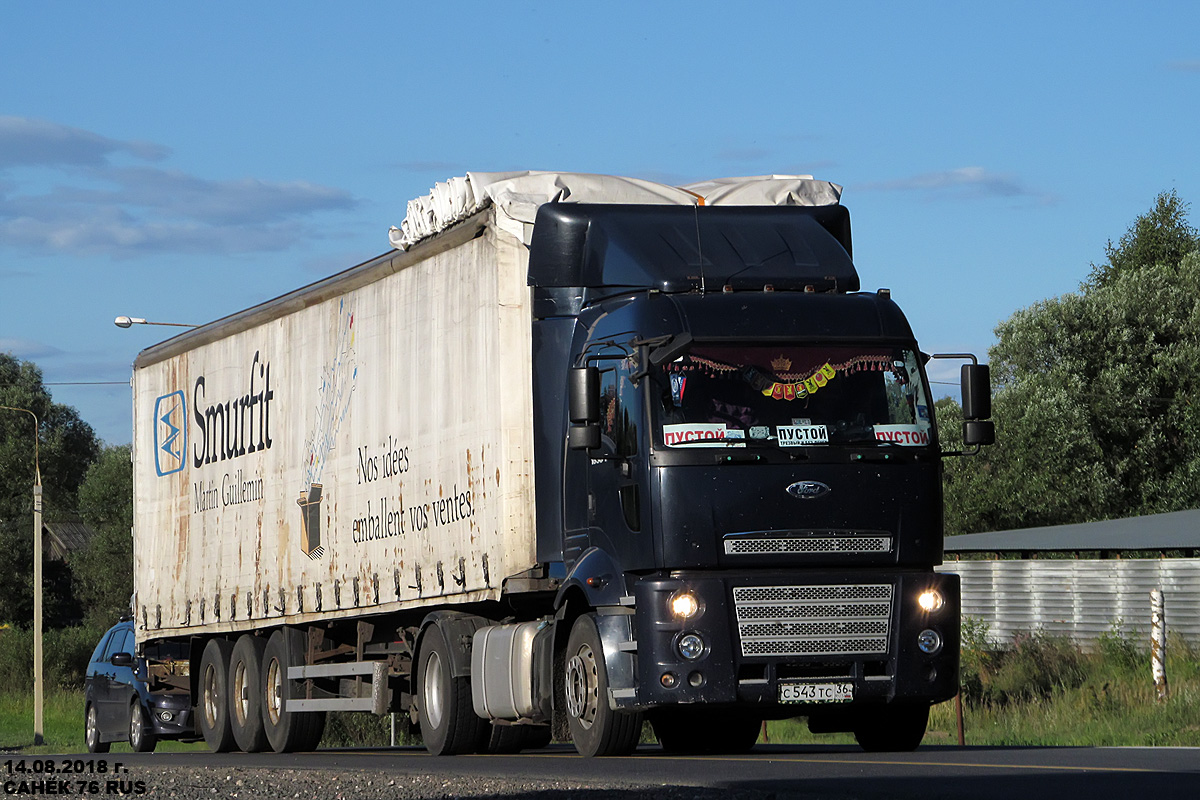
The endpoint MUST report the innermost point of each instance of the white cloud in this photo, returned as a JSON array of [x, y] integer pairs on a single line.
[[28, 142], [95, 206], [968, 182], [28, 349]]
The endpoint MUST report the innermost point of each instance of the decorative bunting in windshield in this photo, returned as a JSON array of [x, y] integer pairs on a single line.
[[801, 389]]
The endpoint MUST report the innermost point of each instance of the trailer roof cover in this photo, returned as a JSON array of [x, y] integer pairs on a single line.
[[518, 195]]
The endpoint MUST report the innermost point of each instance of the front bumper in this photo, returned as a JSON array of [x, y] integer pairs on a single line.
[[170, 715], [763, 630]]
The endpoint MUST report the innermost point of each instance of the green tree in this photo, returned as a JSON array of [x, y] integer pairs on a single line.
[[1162, 236], [1096, 393], [66, 448], [103, 573]]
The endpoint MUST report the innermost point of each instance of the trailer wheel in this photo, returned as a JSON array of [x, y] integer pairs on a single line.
[[245, 695], [449, 724], [892, 729], [596, 729], [214, 696], [691, 731], [287, 731]]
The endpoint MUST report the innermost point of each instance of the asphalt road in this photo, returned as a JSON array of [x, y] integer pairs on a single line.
[[782, 771]]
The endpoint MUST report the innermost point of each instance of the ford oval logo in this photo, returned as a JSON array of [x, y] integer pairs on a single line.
[[807, 490]]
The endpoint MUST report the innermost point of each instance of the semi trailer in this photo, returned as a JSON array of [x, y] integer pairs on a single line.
[[578, 452]]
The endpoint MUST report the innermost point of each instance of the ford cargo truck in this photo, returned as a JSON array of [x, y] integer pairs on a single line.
[[579, 452]]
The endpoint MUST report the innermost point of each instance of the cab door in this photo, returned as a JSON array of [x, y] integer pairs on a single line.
[[616, 471]]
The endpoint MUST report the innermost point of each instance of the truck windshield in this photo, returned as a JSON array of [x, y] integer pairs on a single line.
[[794, 396]]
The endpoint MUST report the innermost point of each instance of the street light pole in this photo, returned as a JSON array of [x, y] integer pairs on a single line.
[[38, 683], [125, 322]]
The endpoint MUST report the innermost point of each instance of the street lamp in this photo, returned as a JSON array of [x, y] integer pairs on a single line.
[[125, 322], [37, 580]]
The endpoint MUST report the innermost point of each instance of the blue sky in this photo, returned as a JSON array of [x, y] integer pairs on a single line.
[[181, 161]]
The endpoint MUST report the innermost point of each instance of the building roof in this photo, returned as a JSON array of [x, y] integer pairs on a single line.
[[1177, 530]]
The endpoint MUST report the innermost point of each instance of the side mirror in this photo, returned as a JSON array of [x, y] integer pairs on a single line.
[[978, 432], [583, 406], [976, 392], [121, 660]]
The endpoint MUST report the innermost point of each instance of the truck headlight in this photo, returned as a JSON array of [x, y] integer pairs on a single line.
[[684, 604], [929, 641], [930, 600]]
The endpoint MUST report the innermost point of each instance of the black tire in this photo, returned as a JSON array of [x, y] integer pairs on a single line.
[[892, 729], [91, 731], [141, 734], [246, 694], [690, 731], [287, 731], [596, 729], [449, 725], [510, 739], [213, 702]]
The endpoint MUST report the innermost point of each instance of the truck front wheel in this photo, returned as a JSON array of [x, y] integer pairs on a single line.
[[287, 731], [892, 729], [449, 724], [596, 729], [214, 696]]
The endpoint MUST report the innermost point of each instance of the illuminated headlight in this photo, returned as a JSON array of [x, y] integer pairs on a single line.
[[931, 600], [930, 641], [690, 646], [685, 605]]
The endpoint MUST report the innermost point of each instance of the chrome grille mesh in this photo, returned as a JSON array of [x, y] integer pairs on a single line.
[[813, 620], [809, 544]]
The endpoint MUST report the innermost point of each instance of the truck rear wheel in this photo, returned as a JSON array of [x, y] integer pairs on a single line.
[[214, 696], [596, 729], [892, 729], [287, 731], [684, 730], [245, 695], [449, 724]]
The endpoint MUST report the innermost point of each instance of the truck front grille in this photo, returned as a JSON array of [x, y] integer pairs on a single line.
[[808, 544], [813, 620]]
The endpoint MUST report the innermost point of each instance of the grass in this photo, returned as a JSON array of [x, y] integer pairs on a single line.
[[62, 723]]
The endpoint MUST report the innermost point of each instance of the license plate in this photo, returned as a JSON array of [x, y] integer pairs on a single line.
[[816, 692]]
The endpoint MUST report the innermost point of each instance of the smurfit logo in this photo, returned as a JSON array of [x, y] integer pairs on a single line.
[[170, 433]]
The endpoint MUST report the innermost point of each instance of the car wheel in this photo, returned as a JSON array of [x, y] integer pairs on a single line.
[[245, 694], [596, 729], [449, 724], [141, 739], [287, 731], [91, 731], [213, 705]]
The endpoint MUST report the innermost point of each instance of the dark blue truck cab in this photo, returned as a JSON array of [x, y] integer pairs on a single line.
[[739, 470]]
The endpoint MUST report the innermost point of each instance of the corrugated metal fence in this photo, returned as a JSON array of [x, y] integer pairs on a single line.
[[1080, 598]]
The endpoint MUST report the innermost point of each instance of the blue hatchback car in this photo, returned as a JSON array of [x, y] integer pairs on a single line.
[[132, 698]]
